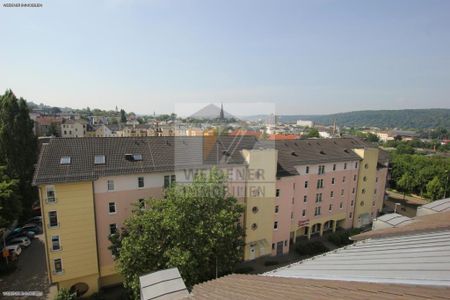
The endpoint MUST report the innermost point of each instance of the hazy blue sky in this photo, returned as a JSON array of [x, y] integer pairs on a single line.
[[318, 56]]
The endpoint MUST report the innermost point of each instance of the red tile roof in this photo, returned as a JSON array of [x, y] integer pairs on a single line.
[[278, 137], [245, 132], [266, 287]]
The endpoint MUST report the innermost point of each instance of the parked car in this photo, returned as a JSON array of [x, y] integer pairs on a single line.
[[32, 227], [14, 250], [19, 231], [22, 241], [35, 220]]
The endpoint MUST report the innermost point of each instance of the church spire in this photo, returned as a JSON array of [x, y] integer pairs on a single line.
[[222, 115]]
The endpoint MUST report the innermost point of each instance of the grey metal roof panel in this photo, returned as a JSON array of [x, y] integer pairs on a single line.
[[164, 284], [439, 205], [422, 259], [394, 219]]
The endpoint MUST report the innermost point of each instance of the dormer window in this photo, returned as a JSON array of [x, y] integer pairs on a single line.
[[99, 160], [133, 157], [65, 160]]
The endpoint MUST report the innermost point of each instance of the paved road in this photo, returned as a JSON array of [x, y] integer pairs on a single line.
[[31, 272]]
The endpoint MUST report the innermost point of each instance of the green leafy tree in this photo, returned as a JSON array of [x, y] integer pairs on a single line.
[[404, 149], [52, 130], [10, 205], [18, 145], [419, 170], [435, 189], [195, 228], [312, 133], [372, 138], [406, 184]]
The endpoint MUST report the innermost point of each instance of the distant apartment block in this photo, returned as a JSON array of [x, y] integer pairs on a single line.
[[291, 189], [404, 135], [47, 126], [305, 123], [73, 128]]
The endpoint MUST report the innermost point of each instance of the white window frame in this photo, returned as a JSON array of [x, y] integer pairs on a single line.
[[59, 243], [49, 219], [99, 159], [109, 208], [110, 183], [65, 160], [50, 188], [54, 266], [110, 228]]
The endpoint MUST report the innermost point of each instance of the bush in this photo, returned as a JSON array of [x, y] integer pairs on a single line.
[[244, 270], [269, 263], [97, 296], [64, 294], [6, 269], [342, 238], [311, 248]]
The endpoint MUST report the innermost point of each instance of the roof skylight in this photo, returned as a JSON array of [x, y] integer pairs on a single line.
[[65, 160]]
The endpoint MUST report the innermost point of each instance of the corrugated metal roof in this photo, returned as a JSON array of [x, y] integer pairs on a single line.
[[421, 259], [439, 205], [394, 219], [164, 284]]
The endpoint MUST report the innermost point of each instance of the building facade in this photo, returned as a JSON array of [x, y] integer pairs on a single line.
[[290, 189], [73, 128]]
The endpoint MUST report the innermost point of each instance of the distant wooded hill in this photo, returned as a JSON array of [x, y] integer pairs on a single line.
[[404, 119]]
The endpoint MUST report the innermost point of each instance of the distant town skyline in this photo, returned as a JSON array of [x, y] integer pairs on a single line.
[[301, 57]]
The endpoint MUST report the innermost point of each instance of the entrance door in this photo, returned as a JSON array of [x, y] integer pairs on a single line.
[[252, 252], [279, 248]]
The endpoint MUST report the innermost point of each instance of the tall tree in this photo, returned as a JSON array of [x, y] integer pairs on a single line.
[[123, 116], [195, 228], [406, 184], [10, 205], [18, 145]]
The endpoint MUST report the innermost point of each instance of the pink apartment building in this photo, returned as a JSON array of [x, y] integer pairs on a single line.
[[316, 188]]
